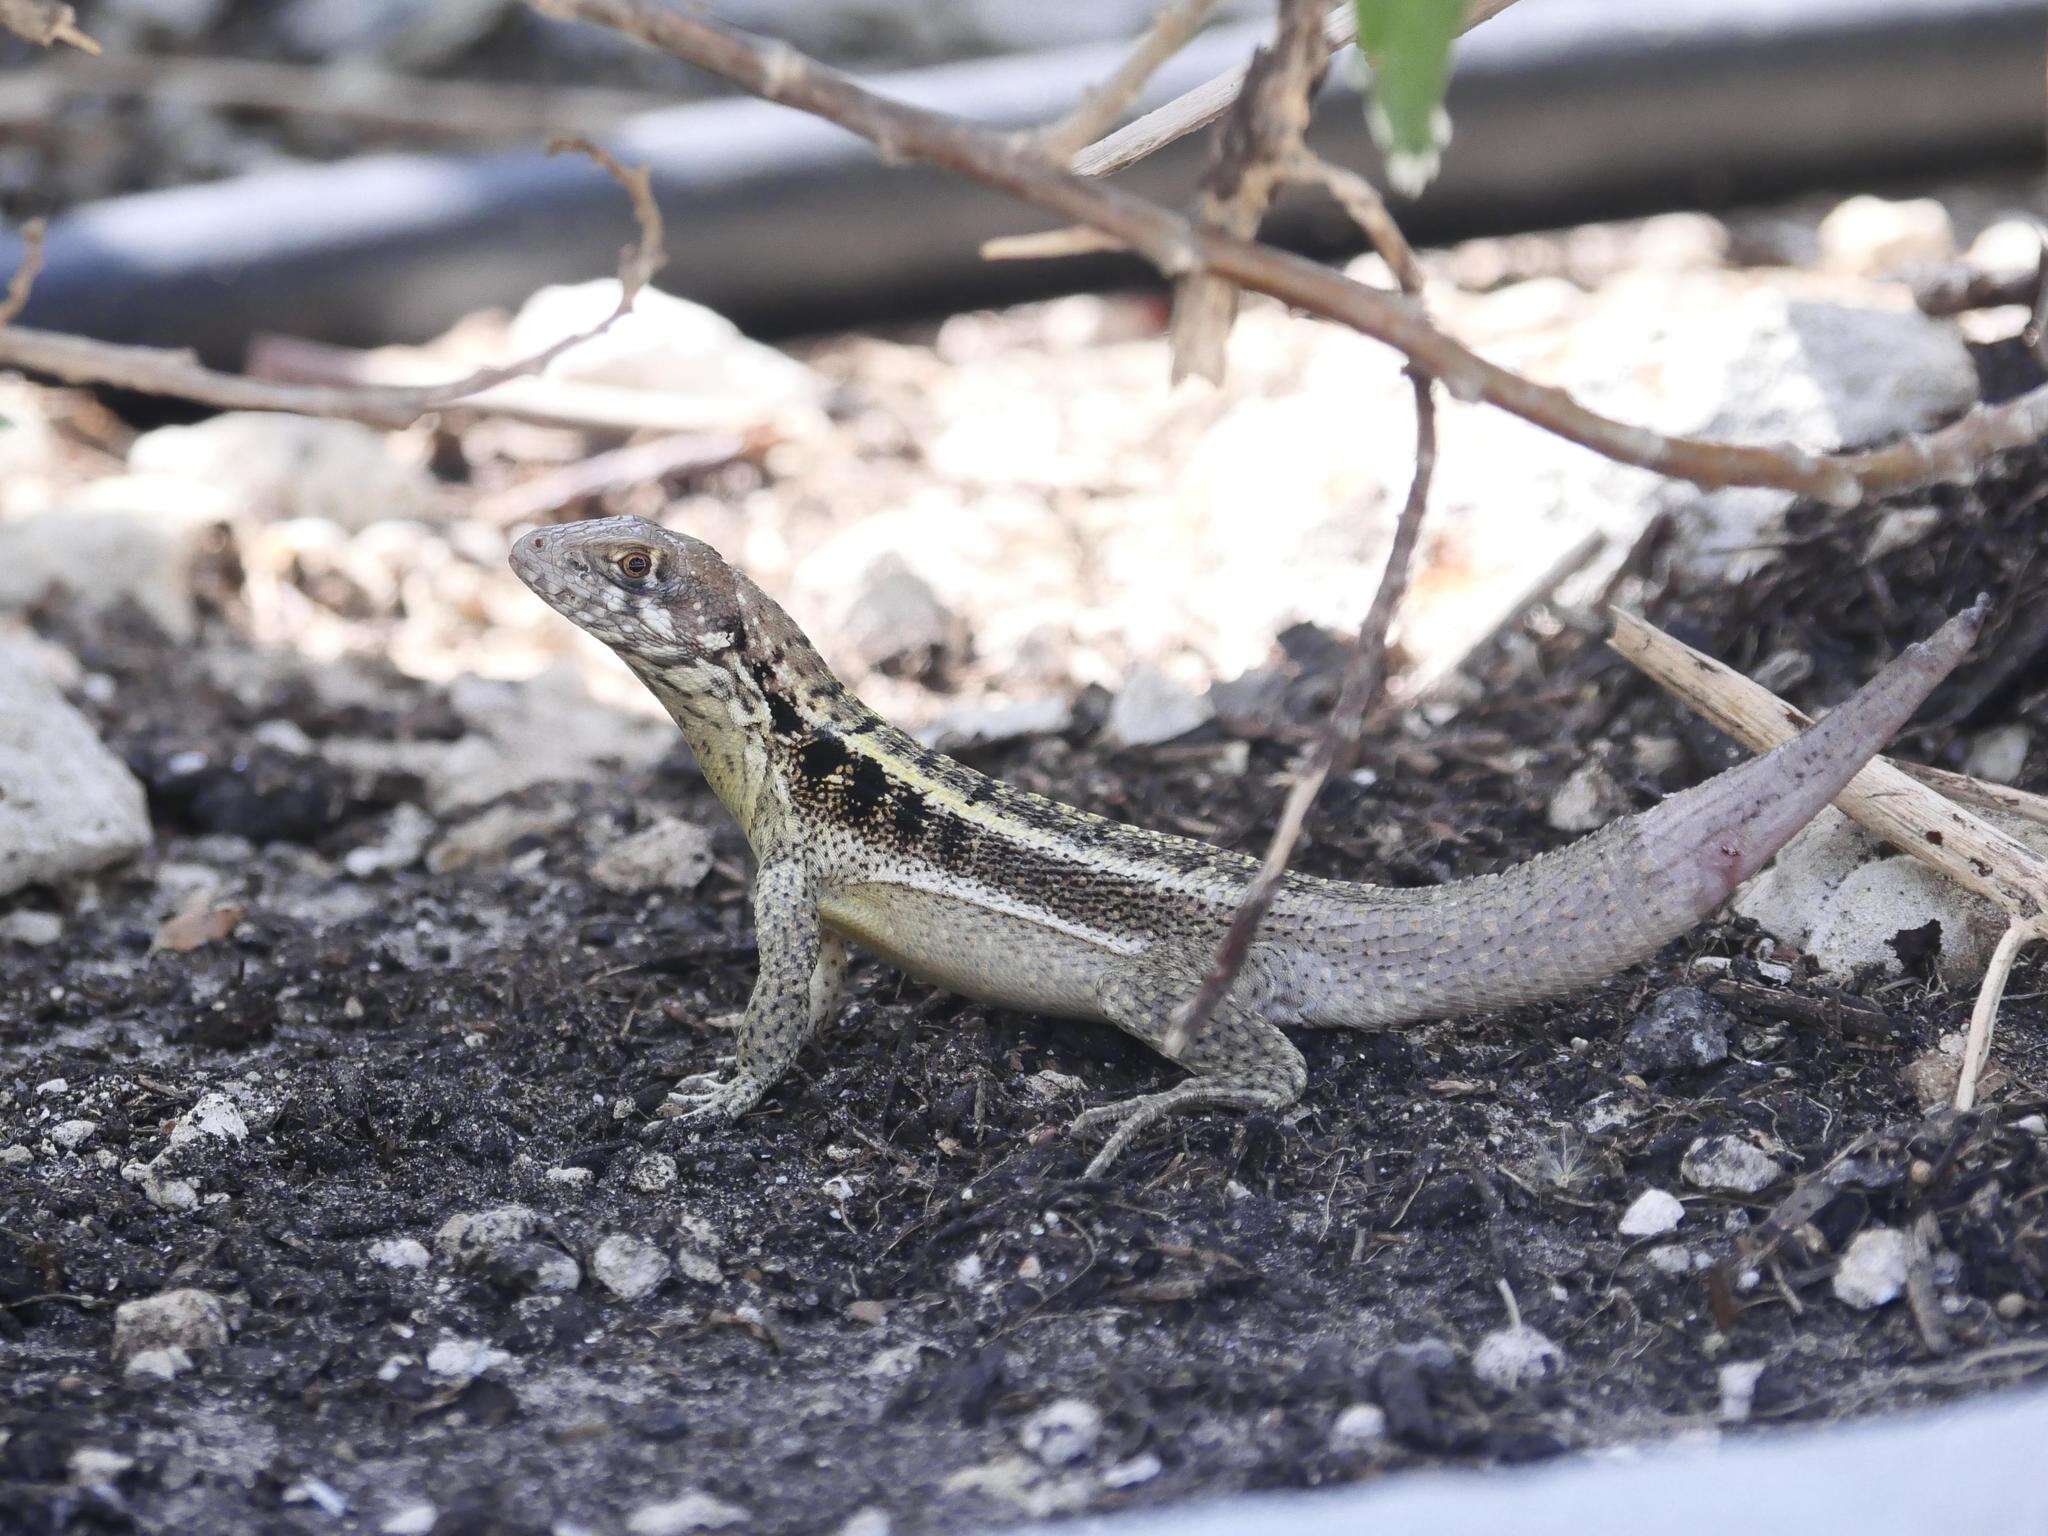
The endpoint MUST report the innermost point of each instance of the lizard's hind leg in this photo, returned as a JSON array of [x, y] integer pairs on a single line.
[[1240, 1060]]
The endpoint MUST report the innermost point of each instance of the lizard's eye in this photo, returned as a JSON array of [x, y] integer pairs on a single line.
[[636, 564]]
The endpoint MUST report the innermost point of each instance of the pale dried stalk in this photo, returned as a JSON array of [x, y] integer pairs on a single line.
[[1173, 245], [1256, 144], [1212, 98], [1906, 814], [1977, 1043], [1910, 816], [1101, 106]]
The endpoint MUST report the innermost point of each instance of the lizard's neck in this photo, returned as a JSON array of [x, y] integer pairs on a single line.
[[746, 709]]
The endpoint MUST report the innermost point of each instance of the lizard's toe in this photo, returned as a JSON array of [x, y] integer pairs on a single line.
[[710, 1096]]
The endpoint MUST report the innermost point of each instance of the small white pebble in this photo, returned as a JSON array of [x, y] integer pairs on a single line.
[[1064, 1431], [653, 1173], [572, 1178], [1141, 1468], [50, 1087], [73, 1134], [1873, 1269], [1358, 1428], [414, 1519], [399, 1253], [1651, 1214], [693, 1510], [1737, 1380], [967, 1271], [1513, 1359]]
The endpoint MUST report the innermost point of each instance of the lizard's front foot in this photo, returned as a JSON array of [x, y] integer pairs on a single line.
[[711, 1097]]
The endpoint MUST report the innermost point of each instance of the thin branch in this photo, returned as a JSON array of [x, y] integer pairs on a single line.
[[163, 371], [1256, 144], [1212, 98], [1173, 245], [1101, 106], [44, 22], [25, 272], [1365, 678], [634, 464], [1364, 681]]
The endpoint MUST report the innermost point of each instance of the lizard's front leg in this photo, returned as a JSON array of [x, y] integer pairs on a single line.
[[802, 976], [1240, 1060]]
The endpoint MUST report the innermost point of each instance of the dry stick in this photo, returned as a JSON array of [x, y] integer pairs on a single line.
[[44, 22], [1364, 682], [163, 371], [634, 464], [1908, 815], [1255, 146], [1101, 106], [1171, 243], [1212, 98], [25, 272]]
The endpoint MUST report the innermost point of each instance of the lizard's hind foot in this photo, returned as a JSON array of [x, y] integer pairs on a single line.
[[711, 1097], [1133, 1117]]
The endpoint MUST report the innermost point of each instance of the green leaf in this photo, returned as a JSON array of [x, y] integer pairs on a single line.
[[1409, 45]]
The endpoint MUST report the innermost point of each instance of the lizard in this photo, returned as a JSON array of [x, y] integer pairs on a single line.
[[864, 836]]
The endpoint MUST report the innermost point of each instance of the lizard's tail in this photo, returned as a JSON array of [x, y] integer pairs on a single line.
[[1616, 897]]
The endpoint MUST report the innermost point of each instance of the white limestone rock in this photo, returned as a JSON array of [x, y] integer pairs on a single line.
[[68, 806]]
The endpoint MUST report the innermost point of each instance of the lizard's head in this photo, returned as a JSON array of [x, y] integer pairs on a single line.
[[657, 597]]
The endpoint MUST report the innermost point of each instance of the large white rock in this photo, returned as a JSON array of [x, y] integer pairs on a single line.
[[667, 344], [105, 550], [274, 466], [1840, 895], [189, 1319], [67, 805]]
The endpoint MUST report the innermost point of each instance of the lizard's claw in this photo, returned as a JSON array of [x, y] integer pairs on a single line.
[[709, 1097]]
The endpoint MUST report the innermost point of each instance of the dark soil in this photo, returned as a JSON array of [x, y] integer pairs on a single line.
[[906, 1262]]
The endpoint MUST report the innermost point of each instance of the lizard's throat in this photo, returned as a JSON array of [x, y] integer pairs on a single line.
[[724, 719]]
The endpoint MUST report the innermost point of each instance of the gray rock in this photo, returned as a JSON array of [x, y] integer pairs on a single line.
[[1729, 1163], [274, 466], [1999, 754], [399, 1253], [534, 1268], [459, 1359], [1587, 800], [1064, 1431], [188, 1320], [1872, 1271], [1515, 1359], [31, 929], [68, 806], [693, 1510], [487, 836], [97, 559], [652, 1173], [1682, 1028], [73, 1134], [471, 1237], [990, 725], [667, 855], [1651, 1214], [401, 837], [896, 623], [1358, 1428], [629, 1267], [1153, 709]]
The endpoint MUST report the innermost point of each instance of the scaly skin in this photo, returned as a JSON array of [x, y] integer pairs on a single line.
[[864, 835]]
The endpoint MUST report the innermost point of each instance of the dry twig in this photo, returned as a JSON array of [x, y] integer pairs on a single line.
[[1365, 680], [162, 371], [1175, 246], [1256, 146], [25, 271], [1101, 106], [44, 22], [1212, 98], [1896, 807]]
